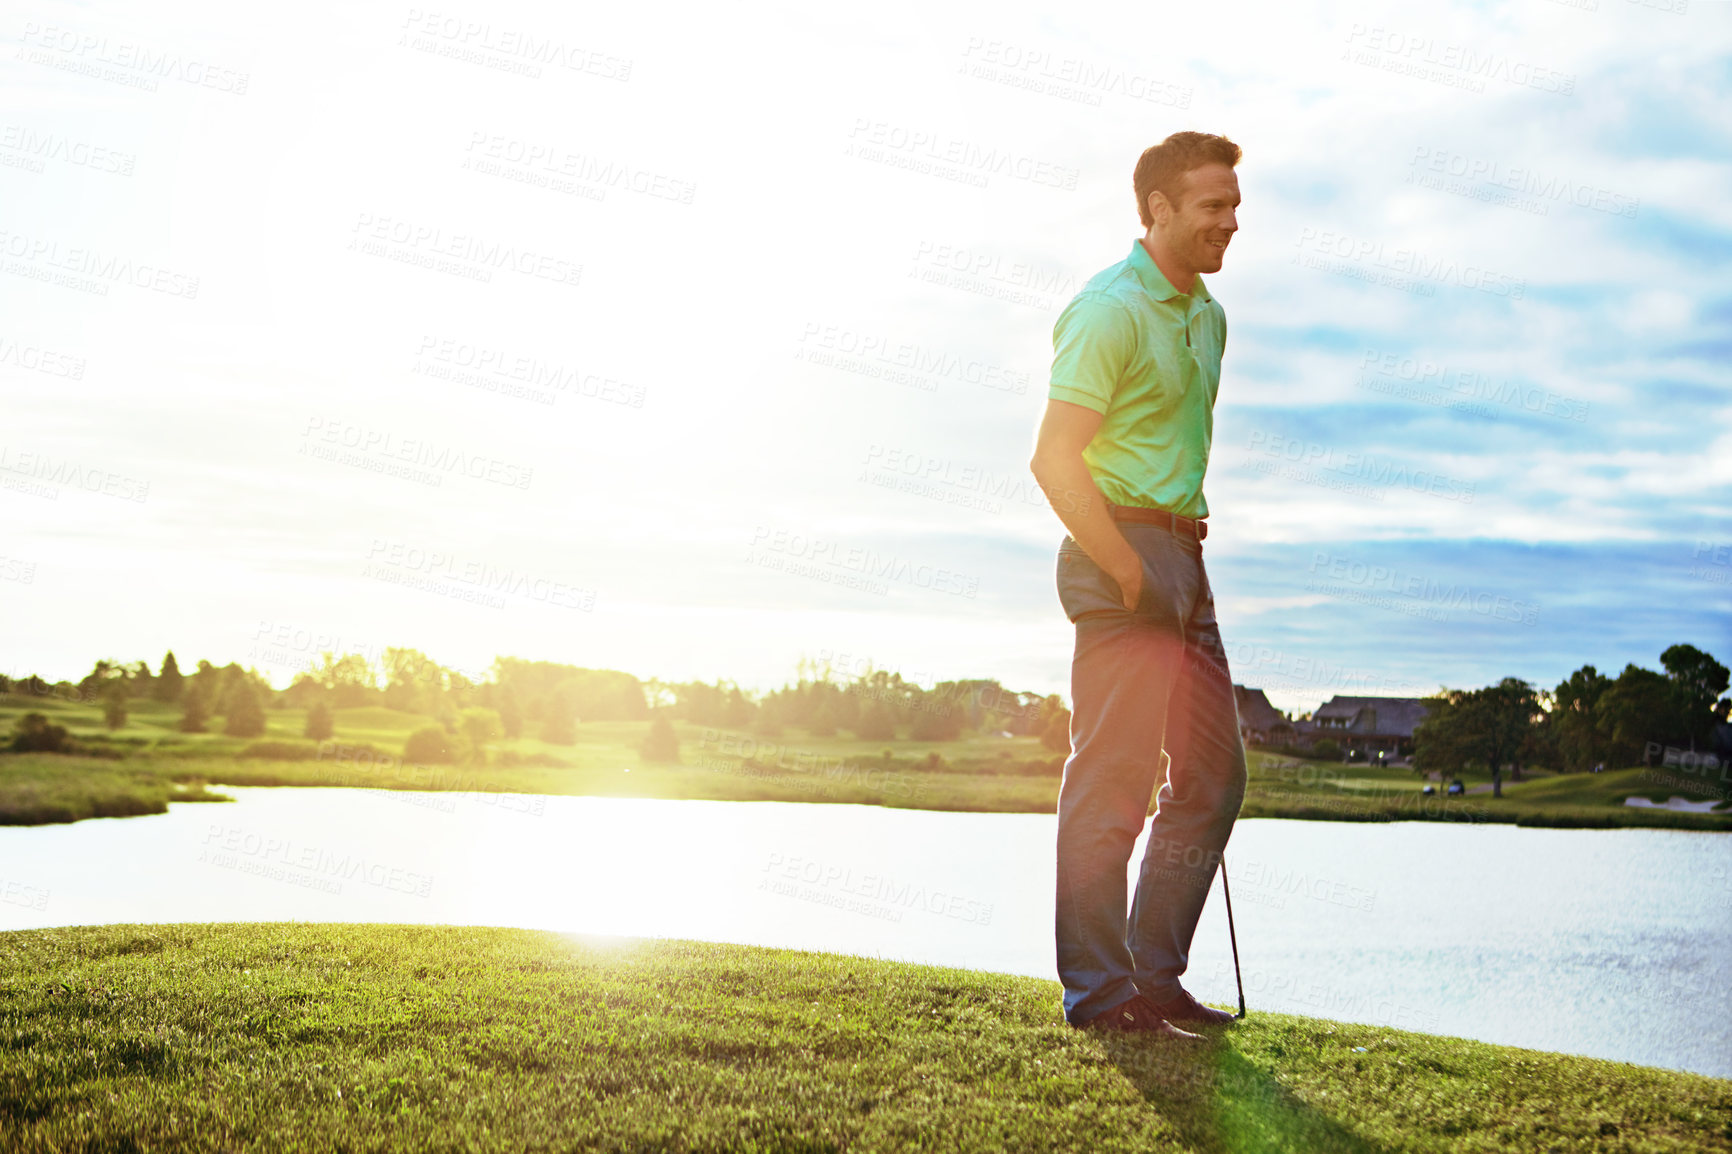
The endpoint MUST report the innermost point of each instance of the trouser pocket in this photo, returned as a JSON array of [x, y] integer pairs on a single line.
[[1169, 586]]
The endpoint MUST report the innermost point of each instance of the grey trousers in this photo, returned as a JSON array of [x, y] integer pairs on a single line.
[[1141, 682]]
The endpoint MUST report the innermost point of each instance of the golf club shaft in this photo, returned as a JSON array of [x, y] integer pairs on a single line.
[[1233, 937]]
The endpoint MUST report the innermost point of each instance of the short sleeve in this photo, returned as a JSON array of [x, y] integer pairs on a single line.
[[1092, 344]]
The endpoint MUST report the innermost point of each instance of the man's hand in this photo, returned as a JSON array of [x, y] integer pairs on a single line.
[[1130, 584], [1070, 488]]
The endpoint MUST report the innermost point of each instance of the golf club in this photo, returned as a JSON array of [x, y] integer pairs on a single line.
[[1233, 937]]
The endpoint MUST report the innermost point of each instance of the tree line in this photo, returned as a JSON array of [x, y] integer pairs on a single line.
[[548, 699], [1587, 722]]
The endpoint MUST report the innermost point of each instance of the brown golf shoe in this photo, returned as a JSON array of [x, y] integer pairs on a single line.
[[1185, 1008], [1138, 1015]]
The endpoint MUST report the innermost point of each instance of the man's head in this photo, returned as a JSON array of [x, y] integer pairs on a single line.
[[1186, 196]]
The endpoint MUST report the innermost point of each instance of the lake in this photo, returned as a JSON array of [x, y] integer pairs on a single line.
[[1609, 943]]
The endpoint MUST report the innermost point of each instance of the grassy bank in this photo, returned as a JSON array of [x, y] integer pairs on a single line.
[[977, 773], [39, 789], [353, 1037]]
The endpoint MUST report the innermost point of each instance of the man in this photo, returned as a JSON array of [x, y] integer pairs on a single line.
[[1121, 453]]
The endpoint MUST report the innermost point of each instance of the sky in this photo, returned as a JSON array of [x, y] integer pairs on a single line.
[[700, 340]]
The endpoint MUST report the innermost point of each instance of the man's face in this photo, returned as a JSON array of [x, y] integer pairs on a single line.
[[1203, 220]]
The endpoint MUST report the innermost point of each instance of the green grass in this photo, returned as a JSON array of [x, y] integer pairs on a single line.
[[358, 1037], [978, 773], [41, 788]]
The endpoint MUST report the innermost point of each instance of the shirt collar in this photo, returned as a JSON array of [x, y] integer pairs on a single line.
[[1155, 281]]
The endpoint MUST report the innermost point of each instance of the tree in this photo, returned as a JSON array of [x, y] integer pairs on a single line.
[[1640, 713], [1056, 735], [168, 682], [95, 684], [876, 723], [243, 712], [1578, 733], [320, 723], [1487, 726], [661, 744], [429, 745], [1697, 681], [114, 704], [477, 727], [823, 723], [139, 681], [510, 715], [34, 733], [195, 709], [349, 679]]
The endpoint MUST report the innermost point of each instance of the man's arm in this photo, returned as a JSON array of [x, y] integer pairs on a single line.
[[1070, 488]]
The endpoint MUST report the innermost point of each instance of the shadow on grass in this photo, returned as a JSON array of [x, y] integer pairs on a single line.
[[1218, 1101]]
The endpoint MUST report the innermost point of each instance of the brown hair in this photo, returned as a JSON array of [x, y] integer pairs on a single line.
[[1162, 167]]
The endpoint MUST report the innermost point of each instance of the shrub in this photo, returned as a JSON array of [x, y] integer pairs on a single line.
[[320, 723], [429, 745], [34, 733], [1056, 736], [1326, 750], [661, 744]]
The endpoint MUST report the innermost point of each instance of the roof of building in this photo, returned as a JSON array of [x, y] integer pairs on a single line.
[[1255, 710], [1389, 716]]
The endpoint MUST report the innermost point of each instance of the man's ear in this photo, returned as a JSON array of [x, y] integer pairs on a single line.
[[1160, 208]]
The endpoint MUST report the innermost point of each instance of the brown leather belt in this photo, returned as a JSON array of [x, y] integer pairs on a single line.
[[1142, 515]]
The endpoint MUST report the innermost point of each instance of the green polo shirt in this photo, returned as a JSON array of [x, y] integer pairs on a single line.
[[1147, 357]]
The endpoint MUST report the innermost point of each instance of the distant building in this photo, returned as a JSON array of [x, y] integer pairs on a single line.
[[1259, 722], [1369, 724]]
